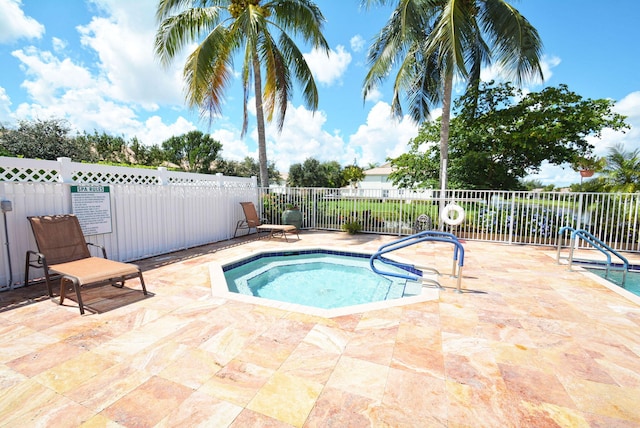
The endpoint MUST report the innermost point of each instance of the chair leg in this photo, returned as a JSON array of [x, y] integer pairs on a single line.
[[63, 289], [76, 287], [144, 288]]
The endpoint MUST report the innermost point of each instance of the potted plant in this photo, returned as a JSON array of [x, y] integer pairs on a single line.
[[587, 165], [292, 215]]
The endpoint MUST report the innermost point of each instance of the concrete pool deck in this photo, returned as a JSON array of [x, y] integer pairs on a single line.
[[527, 344]]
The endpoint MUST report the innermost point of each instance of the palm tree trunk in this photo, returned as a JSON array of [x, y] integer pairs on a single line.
[[262, 139], [444, 130], [444, 137]]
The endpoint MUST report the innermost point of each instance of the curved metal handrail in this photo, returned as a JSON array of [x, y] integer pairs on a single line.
[[596, 243], [427, 235]]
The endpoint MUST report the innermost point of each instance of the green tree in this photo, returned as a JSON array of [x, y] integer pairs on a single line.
[[248, 167], [146, 155], [352, 174], [429, 42], [44, 139], [193, 151], [260, 33], [622, 171], [313, 173], [105, 147], [500, 135]]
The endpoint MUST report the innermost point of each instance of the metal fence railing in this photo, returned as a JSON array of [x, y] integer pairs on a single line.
[[498, 216]]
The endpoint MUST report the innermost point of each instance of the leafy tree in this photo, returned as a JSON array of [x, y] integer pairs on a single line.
[[501, 135], [246, 168], [146, 155], [333, 174], [261, 34], [313, 173], [622, 171], [352, 174], [193, 151], [43, 139], [106, 148], [429, 42]]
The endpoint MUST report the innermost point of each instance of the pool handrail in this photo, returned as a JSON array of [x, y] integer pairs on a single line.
[[427, 235], [596, 243]]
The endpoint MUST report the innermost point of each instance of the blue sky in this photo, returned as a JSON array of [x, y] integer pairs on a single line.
[[91, 62]]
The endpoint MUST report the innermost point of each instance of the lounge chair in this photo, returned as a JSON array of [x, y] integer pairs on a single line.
[[253, 221], [63, 251]]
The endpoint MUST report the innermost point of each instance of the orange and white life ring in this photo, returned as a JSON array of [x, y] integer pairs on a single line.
[[445, 214]]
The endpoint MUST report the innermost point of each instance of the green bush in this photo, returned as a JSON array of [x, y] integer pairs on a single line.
[[352, 227]]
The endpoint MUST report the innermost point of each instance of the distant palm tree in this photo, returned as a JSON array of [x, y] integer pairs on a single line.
[[431, 41], [622, 171], [260, 35]]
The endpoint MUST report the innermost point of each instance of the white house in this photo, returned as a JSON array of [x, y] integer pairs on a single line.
[[376, 183]]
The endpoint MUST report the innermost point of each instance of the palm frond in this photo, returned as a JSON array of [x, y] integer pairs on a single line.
[[298, 66], [516, 42], [175, 32], [299, 18], [207, 71]]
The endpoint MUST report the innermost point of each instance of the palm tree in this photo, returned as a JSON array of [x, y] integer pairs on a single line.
[[260, 34], [622, 170], [430, 42]]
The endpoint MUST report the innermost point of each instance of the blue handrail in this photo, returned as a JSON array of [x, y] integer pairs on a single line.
[[598, 245], [427, 235]]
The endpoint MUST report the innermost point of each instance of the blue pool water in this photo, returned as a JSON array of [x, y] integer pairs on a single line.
[[631, 283], [320, 279]]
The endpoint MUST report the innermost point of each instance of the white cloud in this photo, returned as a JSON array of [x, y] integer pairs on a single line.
[[5, 106], [50, 76], [382, 136], [155, 130], [357, 43], [124, 43], [374, 95], [14, 25], [303, 137], [108, 95], [58, 44], [233, 147], [328, 69]]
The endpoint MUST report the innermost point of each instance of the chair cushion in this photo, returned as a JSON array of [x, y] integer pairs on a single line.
[[94, 269]]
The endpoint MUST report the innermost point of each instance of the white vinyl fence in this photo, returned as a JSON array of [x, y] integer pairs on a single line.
[[152, 211]]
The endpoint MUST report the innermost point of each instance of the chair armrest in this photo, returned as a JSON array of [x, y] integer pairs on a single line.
[[104, 252], [40, 259]]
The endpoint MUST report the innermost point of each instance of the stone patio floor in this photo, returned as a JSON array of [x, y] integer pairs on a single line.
[[528, 344]]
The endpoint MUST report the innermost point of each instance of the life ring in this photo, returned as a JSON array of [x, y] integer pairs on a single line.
[[445, 214]]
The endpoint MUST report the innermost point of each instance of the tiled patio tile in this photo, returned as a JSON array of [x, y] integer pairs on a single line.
[[286, 398], [74, 372], [419, 349], [108, 387], [336, 408], [360, 377], [44, 358], [202, 410], [148, 404], [238, 382], [193, 368]]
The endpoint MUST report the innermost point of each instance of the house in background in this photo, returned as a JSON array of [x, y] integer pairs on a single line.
[[376, 183]]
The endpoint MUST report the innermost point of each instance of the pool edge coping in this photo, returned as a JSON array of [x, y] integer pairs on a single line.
[[219, 289]]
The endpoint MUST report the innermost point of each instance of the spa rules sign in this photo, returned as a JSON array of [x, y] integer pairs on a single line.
[[92, 205]]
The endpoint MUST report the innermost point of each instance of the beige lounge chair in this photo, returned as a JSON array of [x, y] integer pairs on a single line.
[[253, 221], [63, 251]]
